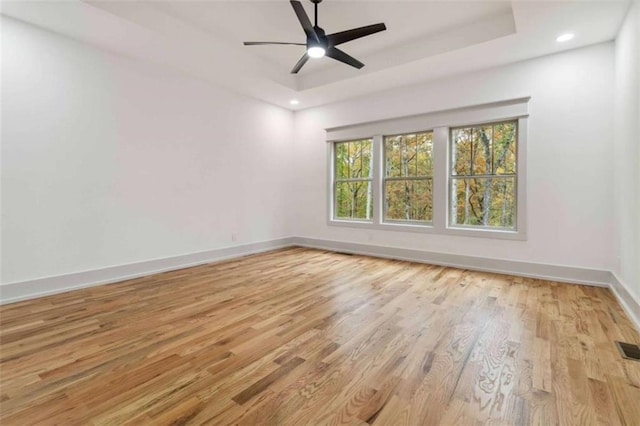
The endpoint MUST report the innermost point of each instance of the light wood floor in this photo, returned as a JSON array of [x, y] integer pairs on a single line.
[[303, 336]]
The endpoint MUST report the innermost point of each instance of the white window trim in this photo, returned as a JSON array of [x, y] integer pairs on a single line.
[[519, 231], [439, 122], [334, 182]]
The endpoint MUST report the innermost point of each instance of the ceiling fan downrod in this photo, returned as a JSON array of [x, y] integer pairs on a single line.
[[315, 10]]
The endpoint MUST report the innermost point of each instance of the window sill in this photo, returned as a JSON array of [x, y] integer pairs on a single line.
[[352, 223], [407, 227], [498, 234], [385, 226]]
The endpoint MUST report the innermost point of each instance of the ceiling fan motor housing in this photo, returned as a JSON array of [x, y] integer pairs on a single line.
[[322, 39]]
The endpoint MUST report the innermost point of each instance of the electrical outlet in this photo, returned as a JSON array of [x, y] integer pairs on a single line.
[[234, 236]]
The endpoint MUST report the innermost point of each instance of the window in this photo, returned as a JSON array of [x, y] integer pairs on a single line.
[[455, 172], [353, 180], [408, 177], [483, 176]]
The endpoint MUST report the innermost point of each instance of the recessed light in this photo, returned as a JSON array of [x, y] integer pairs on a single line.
[[294, 102], [315, 52], [565, 37]]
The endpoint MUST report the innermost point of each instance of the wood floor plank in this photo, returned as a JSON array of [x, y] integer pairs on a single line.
[[302, 336]]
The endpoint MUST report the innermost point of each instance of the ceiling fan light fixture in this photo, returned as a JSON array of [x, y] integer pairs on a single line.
[[316, 52]]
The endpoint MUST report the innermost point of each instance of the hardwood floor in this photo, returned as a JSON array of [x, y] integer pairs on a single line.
[[302, 336]]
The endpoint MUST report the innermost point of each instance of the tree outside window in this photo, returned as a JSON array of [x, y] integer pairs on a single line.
[[483, 175]]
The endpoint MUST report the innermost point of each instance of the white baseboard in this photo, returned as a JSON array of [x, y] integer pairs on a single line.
[[23, 290], [630, 304], [568, 274]]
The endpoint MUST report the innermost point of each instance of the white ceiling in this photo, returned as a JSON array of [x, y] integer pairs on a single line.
[[236, 22], [424, 39]]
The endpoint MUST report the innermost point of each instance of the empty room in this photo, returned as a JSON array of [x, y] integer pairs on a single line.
[[320, 212]]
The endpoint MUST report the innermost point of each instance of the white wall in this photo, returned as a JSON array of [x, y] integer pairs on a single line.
[[627, 153], [108, 161], [569, 158]]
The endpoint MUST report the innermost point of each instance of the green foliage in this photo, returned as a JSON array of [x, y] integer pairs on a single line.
[[409, 200], [351, 200], [353, 161], [504, 136], [483, 177], [490, 152], [471, 201], [409, 156]]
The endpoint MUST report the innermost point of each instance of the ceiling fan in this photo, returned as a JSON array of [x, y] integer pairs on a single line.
[[320, 44]]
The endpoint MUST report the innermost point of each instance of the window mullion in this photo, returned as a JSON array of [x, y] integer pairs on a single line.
[[378, 158], [440, 179]]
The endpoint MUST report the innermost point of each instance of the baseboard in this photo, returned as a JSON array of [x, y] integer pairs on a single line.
[[23, 290], [17, 291], [568, 274], [630, 304]]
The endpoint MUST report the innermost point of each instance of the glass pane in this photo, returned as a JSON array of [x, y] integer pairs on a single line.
[[425, 152], [354, 200], [504, 148], [365, 159], [353, 159], [465, 206], [408, 200], [409, 155], [503, 203], [483, 202], [482, 147], [342, 160], [361, 159], [409, 160], [461, 151], [392, 146]]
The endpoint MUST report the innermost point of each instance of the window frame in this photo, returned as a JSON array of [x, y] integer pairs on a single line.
[[335, 181], [518, 232], [385, 178], [440, 123], [451, 177]]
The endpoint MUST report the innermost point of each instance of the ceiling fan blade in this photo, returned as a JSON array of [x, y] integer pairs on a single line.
[[304, 20], [348, 35], [262, 43], [300, 63], [339, 55]]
